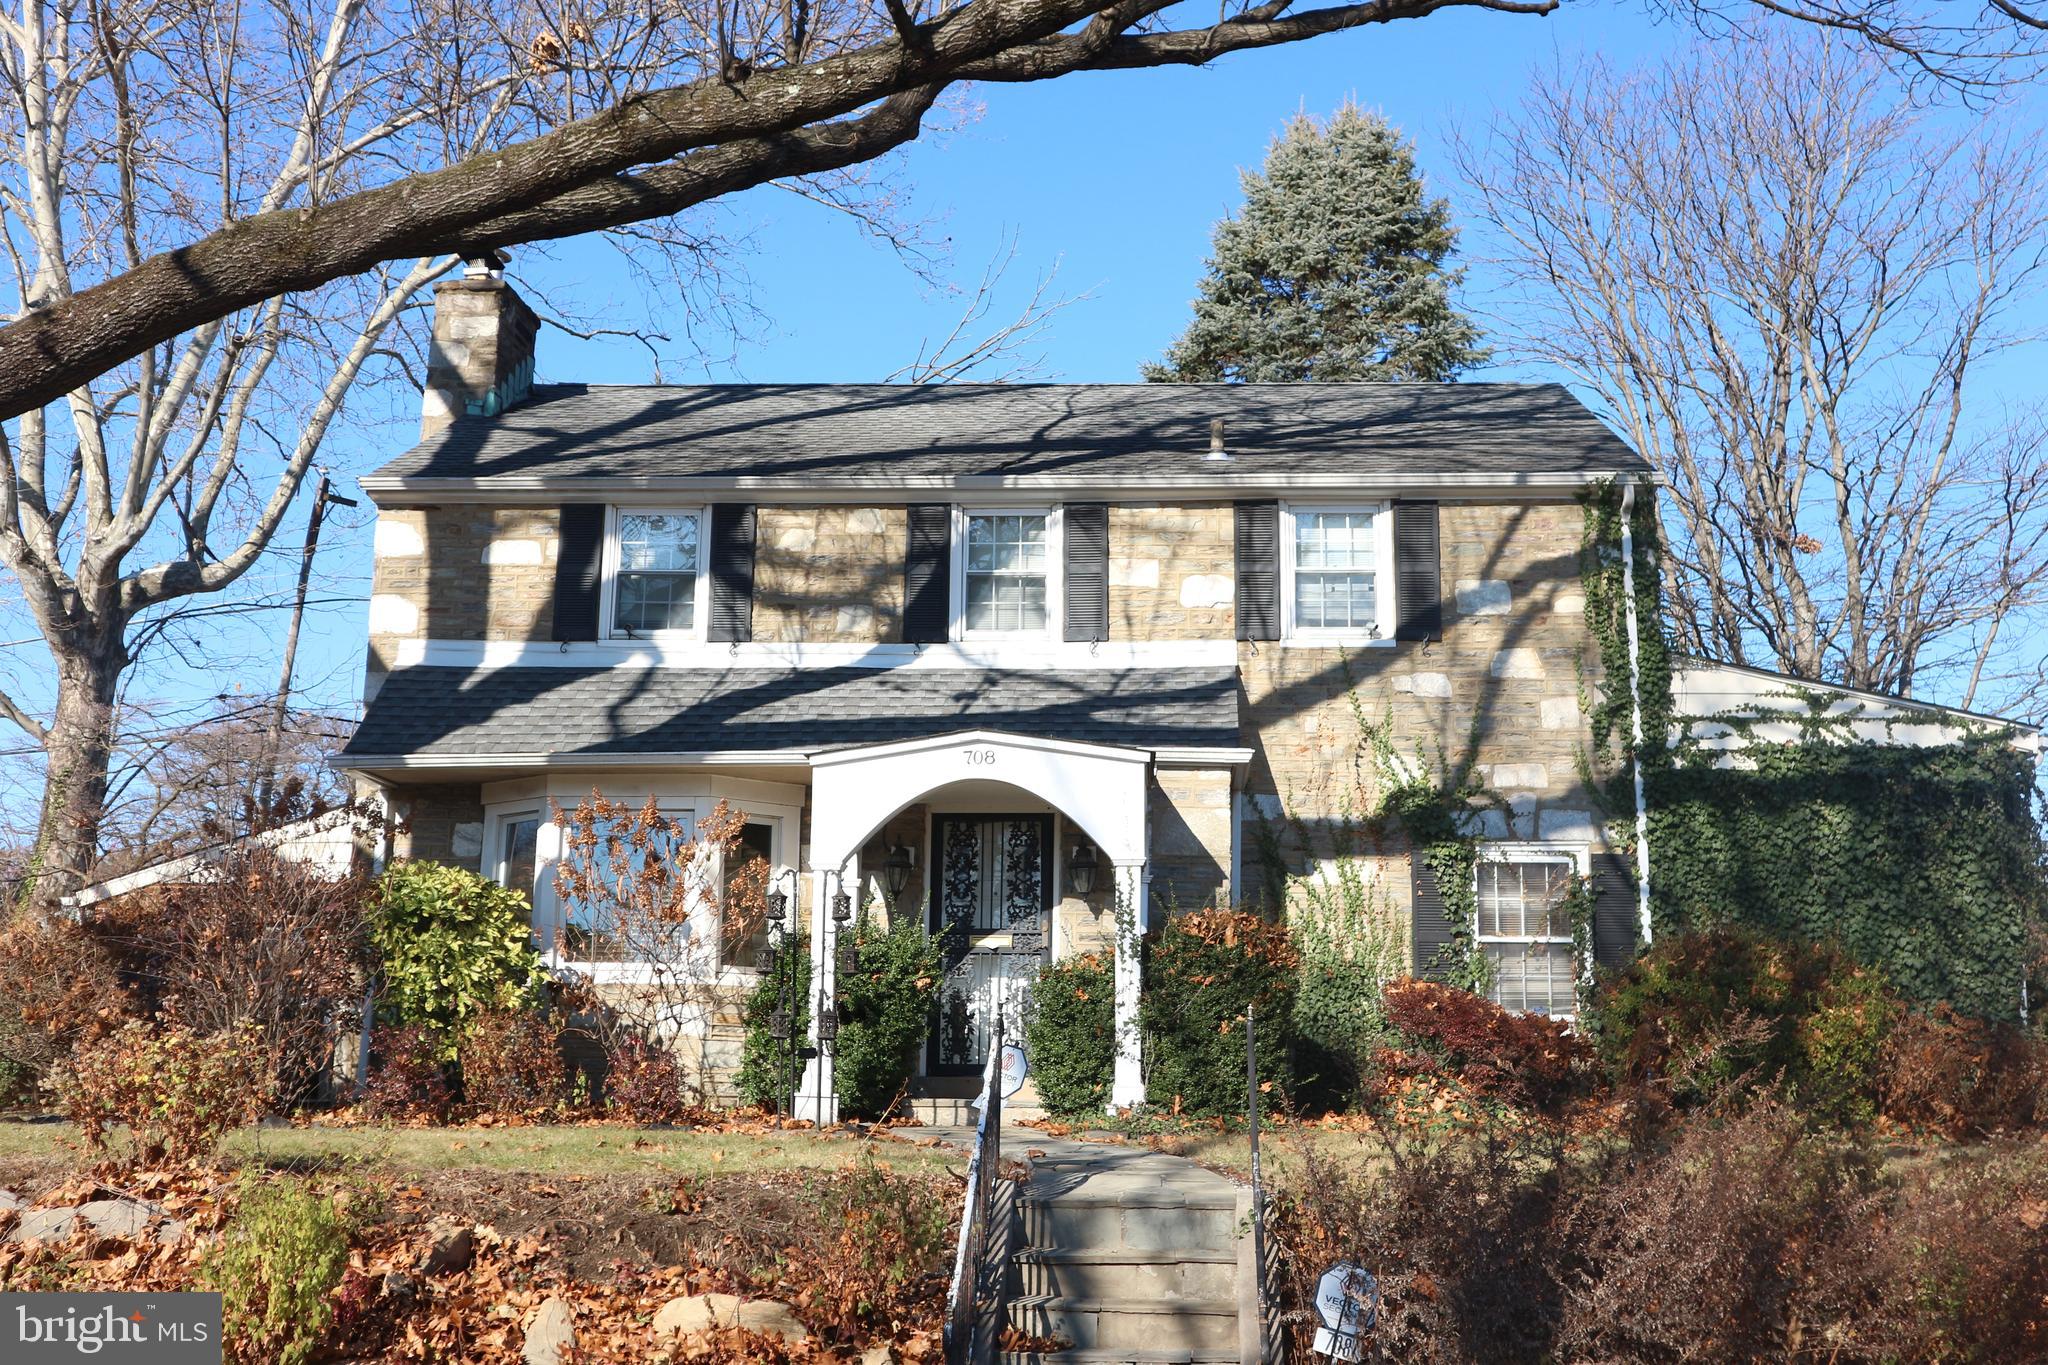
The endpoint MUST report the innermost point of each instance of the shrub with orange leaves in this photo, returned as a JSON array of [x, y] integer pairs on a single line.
[[1523, 1059]]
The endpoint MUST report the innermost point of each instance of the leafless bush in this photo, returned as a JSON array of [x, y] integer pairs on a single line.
[[260, 941]]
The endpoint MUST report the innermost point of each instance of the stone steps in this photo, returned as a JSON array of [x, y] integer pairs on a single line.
[[1170, 1275], [1137, 1219], [1129, 1324]]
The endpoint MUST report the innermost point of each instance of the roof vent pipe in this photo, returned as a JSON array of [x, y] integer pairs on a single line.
[[1216, 448]]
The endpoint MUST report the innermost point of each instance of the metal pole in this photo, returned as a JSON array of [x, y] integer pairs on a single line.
[[1251, 1084]]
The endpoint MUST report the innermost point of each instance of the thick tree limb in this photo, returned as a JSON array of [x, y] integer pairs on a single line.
[[73, 339]]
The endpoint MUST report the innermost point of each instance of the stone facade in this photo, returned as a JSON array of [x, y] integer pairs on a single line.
[[442, 823], [827, 574], [462, 573], [1500, 690], [1191, 819], [1172, 572]]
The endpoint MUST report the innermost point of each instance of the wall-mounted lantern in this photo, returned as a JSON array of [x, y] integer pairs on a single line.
[[896, 870], [1082, 866]]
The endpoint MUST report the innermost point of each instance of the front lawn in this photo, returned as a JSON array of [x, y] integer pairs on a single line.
[[587, 1149]]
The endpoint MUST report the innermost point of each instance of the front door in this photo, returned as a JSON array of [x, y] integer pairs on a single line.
[[991, 909]]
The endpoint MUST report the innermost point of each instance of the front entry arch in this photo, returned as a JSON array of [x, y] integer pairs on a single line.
[[1100, 789]]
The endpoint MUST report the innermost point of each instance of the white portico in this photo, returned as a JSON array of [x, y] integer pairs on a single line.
[[1098, 789]]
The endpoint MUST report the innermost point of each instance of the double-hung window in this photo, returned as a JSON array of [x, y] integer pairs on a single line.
[[1337, 585], [1524, 927], [657, 576], [1006, 579]]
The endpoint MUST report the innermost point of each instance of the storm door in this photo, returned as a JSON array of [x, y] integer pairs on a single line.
[[992, 910]]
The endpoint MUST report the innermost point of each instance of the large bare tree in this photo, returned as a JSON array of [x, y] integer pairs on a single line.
[[216, 215], [1789, 280]]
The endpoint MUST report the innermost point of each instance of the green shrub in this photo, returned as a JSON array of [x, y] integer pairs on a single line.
[[1718, 1013], [1350, 949], [284, 1250], [885, 1008], [1070, 1034], [452, 946], [177, 1092], [1199, 976], [765, 1063]]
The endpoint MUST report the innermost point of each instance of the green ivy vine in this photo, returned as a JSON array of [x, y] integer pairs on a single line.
[[1604, 579]]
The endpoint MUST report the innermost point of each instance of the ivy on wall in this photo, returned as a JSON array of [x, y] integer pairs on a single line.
[[1925, 862], [1604, 580], [1922, 862]]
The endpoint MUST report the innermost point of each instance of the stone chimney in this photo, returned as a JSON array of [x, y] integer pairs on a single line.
[[482, 357]]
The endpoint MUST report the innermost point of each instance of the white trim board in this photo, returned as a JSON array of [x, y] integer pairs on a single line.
[[1024, 654], [876, 490]]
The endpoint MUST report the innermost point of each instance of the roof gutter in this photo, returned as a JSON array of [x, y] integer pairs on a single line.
[[392, 490]]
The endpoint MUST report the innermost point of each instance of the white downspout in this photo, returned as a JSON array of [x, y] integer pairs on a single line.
[[1635, 695]]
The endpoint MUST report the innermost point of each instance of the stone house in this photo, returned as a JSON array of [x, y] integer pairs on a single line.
[[1039, 662]]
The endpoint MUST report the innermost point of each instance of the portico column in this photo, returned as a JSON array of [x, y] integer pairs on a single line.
[[1127, 1086], [816, 1096]]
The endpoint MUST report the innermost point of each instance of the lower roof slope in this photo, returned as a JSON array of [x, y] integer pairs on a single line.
[[464, 713]]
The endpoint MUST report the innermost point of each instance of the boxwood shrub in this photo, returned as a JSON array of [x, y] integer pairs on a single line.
[[1070, 1034], [1201, 972]]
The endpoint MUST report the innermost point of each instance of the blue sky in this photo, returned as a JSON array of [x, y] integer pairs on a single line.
[[1116, 178]]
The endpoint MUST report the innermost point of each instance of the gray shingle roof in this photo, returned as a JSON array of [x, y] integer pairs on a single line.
[[457, 712], [1091, 432]]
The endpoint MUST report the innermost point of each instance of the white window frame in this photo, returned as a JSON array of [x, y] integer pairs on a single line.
[[700, 612], [497, 847], [706, 918], [1580, 858], [1384, 593], [1055, 561]]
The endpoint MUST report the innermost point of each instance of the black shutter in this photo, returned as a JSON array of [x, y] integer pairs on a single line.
[[579, 570], [732, 572], [1418, 595], [1616, 911], [1428, 922], [1258, 571], [928, 575], [1085, 527]]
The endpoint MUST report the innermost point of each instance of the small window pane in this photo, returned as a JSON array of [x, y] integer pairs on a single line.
[[1524, 928], [604, 927], [1006, 572], [516, 868], [657, 582], [744, 924]]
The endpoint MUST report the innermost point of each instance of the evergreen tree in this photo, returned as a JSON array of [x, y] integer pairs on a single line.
[[1333, 270]]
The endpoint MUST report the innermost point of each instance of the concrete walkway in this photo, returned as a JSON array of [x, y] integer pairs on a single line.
[[1133, 1256]]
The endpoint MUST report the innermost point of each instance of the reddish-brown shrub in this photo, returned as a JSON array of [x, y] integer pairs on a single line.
[[59, 987], [511, 1063], [1524, 1059], [177, 1092], [643, 1083], [1947, 1073], [408, 1077], [264, 941]]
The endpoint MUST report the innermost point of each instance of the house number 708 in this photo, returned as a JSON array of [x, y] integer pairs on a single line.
[[980, 758]]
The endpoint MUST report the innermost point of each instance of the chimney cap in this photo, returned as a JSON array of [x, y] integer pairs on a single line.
[[488, 264]]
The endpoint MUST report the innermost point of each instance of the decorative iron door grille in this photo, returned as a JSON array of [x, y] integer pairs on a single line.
[[991, 904]]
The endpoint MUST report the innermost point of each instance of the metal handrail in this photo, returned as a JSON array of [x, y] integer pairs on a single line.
[[970, 1260]]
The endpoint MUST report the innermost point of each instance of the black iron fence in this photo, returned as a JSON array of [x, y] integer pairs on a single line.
[[973, 1286]]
